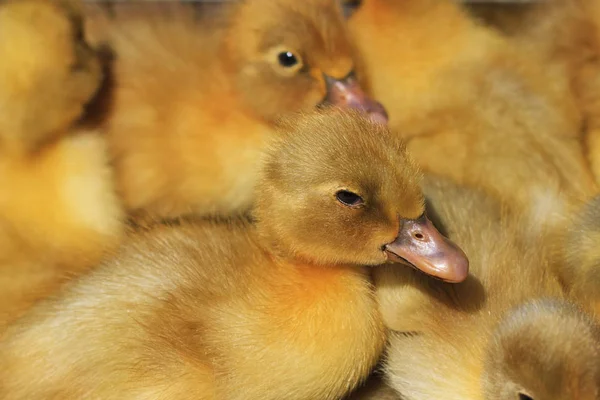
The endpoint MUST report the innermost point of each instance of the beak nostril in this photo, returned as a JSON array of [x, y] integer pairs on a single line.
[[419, 236]]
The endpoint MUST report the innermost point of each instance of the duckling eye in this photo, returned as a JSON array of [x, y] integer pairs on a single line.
[[348, 198], [523, 396], [287, 59]]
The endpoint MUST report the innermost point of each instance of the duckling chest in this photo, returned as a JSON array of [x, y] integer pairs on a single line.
[[313, 335]]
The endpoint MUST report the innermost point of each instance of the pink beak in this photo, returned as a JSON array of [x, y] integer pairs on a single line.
[[348, 93], [420, 245]]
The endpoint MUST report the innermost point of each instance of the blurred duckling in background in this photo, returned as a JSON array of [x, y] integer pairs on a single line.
[[564, 37], [194, 101], [544, 349], [58, 207], [518, 352], [507, 332], [201, 310], [472, 107]]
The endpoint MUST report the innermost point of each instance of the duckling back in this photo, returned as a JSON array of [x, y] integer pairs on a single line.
[[103, 351]]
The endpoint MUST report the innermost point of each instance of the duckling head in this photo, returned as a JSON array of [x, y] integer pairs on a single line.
[[48, 73], [544, 350], [338, 188], [293, 56]]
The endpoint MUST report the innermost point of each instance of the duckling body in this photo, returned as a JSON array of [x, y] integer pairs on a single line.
[[194, 102], [563, 37], [472, 107], [250, 314], [507, 330], [58, 207], [556, 337], [202, 310]]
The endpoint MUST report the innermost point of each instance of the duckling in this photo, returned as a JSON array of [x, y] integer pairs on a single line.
[[564, 37], [194, 102], [201, 310], [552, 337], [58, 209], [507, 332], [472, 107]]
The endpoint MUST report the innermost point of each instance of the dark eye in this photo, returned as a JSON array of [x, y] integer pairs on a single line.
[[523, 396], [287, 59], [348, 198]]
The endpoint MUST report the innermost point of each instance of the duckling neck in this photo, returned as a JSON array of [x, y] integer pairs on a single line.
[[322, 276]]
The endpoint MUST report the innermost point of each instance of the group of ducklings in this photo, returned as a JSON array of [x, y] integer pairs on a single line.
[[279, 199]]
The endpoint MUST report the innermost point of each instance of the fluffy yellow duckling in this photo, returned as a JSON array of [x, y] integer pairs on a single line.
[[58, 207], [507, 332], [194, 102], [544, 349], [564, 36], [282, 308], [473, 107]]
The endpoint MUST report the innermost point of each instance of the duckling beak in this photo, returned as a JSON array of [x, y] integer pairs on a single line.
[[423, 247], [347, 92]]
